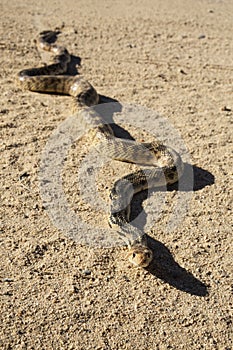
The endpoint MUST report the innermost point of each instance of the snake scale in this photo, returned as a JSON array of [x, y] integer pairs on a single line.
[[164, 165]]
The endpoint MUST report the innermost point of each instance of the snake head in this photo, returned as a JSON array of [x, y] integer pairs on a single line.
[[140, 256]]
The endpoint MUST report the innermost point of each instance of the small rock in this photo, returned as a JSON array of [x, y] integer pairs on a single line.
[[7, 280], [131, 46], [25, 174], [202, 36], [75, 289], [226, 109], [183, 72], [4, 111], [86, 272], [162, 76], [8, 293]]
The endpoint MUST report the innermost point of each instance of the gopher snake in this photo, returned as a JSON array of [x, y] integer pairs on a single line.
[[165, 164]]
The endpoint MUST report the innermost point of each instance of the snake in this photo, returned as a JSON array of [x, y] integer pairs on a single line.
[[162, 165]]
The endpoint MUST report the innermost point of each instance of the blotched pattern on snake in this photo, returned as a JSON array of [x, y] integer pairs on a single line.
[[164, 164]]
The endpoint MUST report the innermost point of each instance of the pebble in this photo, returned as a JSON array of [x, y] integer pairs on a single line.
[[131, 46], [7, 280], [183, 72], [4, 111], [226, 109]]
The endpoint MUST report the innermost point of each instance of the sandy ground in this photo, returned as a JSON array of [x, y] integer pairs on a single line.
[[174, 57]]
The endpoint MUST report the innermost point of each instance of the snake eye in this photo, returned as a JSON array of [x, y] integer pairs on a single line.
[[134, 254]]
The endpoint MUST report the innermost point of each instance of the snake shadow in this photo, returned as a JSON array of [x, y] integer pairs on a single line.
[[110, 106], [193, 179], [168, 270]]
